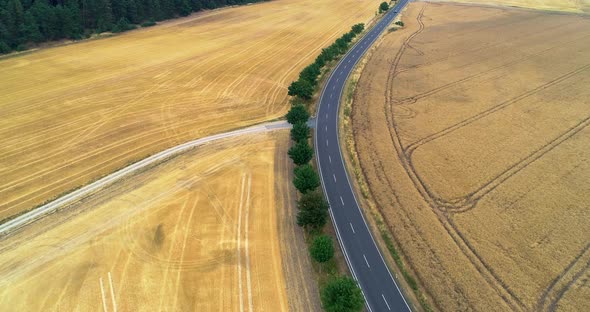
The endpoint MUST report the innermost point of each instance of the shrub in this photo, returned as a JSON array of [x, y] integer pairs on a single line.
[[400, 23], [148, 23], [322, 249]]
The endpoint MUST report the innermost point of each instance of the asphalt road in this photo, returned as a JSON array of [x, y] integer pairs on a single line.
[[69, 198], [362, 255]]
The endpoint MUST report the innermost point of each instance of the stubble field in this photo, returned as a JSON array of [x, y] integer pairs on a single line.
[[471, 127], [201, 232], [574, 6], [74, 113]]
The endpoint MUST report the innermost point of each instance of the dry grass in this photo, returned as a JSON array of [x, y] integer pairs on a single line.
[[74, 113], [197, 233], [473, 137], [575, 6]]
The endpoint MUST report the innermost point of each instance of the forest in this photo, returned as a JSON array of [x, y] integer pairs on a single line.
[[25, 23]]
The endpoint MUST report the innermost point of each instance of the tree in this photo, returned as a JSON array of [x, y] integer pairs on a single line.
[[301, 88], [297, 114], [384, 6], [301, 153], [312, 210], [322, 249], [306, 179], [30, 29], [4, 48], [342, 295], [300, 132], [310, 73], [347, 37], [122, 25], [358, 28]]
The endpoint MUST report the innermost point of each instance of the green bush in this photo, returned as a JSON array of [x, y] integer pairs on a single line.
[[301, 88], [149, 23], [342, 294], [358, 28], [297, 114], [322, 249], [306, 179], [400, 23], [301, 153], [383, 7], [300, 132], [313, 210]]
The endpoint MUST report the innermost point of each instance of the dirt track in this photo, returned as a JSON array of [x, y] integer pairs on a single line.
[[471, 129]]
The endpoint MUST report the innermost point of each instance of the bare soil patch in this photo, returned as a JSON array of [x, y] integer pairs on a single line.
[[471, 126]]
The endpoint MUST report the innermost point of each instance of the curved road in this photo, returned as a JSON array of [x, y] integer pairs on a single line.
[[52, 206], [362, 254]]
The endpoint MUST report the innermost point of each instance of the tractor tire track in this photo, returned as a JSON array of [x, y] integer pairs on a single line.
[[486, 271]]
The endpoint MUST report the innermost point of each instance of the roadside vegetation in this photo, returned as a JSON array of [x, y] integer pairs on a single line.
[[383, 7], [25, 23], [338, 292], [304, 88]]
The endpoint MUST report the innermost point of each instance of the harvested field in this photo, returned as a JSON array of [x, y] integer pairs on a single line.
[[197, 233], [471, 127], [574, 6], [74, 113]]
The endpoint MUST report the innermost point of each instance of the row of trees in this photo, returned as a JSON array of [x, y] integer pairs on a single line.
[[26, 22], [303, 88], [341, 293]]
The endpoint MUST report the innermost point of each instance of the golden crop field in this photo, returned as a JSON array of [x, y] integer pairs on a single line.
[[471, 127], [200, 232], [73, 113], [575, 6]]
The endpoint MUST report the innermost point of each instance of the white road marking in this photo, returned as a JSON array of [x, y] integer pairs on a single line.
[[387, 304], [367, 262], [334, 176], [326, 129], [330, 158], [341, 200], [331, 94], [352, 228], [326, 142], [112, 292], [326, 115], [104, 300]]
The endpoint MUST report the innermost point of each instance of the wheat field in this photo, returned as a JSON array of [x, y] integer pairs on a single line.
[[471, 127]]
